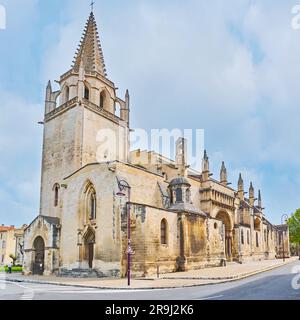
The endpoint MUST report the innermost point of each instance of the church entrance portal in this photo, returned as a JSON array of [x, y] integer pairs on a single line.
[[39, 256], [89, 242], [224, 217]]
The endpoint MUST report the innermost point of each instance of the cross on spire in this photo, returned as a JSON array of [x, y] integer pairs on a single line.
[[92, 5]]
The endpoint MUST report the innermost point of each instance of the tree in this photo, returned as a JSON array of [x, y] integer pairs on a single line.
[[14, 258], [294, 227]]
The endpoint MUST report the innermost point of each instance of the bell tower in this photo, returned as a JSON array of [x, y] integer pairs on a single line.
[[85, 121]]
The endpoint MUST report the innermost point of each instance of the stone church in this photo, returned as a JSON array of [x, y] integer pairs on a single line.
[[180, 219]]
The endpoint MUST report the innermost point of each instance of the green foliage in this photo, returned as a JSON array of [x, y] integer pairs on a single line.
[[14, 269], [294, 226]]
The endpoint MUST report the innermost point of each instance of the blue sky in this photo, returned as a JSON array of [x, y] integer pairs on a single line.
[[229, 67]]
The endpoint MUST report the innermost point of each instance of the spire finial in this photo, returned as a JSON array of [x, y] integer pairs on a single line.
[[92, 5]]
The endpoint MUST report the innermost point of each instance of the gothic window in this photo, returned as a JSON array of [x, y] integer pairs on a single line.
[[67, 94], [102, 99], [179, 195], [257, 242], [86, 93], [56, 191], [118, 110], [164, 232], [188, 196], [242, 236], [93, 204]]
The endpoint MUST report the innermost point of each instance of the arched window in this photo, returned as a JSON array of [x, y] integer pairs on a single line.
[[242, 236], [67, 94], [102, 99], [93, 205], [86, 93], [118, 110], [164, 232], [188, 195], [179, 195], [56, 190]]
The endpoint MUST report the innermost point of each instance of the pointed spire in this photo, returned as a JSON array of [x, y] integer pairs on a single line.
[[251, 194], [241, 187], [259, 199], [205, 162], [240, 182], [90, 52], [223, 174], [251, 187], [127, 99]]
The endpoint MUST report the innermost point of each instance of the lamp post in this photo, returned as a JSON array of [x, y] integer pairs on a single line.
[[284, 217], [123, 185]]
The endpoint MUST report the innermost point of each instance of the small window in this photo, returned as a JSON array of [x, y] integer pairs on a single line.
[[102, 99], [86, 93], [67, 94], [178, 195], [248, 237], [242, 236], [163, 232], [188, 195], [56, 189], [257, 242], [215, 225]]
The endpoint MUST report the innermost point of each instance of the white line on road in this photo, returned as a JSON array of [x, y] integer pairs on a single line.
[[210, 298]]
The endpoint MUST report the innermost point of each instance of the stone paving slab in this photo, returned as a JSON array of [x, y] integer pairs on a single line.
[[190, 278]]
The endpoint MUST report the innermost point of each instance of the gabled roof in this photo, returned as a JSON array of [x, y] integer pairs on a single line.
[[89, 53]]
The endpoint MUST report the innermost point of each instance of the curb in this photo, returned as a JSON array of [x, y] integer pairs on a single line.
[[215, 281]]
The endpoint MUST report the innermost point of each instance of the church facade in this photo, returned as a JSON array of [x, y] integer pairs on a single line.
[[180, 219]]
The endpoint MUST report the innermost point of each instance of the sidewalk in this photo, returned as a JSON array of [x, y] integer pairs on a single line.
[[190, 278]]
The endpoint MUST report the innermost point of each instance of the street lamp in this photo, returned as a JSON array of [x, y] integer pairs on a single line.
[[123, 185], [285, 218]]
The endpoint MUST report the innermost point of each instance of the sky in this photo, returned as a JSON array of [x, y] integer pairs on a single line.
[[231, 68]]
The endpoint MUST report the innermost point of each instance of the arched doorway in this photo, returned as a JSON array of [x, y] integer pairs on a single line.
[[225, 218], [89, 243], [39, 256]]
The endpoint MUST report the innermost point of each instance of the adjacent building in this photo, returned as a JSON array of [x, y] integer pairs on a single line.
[[180, 218], [11, 243]]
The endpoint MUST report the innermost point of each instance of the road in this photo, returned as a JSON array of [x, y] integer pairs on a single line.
[[274, 284]]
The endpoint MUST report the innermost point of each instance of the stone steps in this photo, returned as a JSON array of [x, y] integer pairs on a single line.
[[80, 273]]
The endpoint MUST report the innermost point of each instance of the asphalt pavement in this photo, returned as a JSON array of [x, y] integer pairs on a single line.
[[279, 284]]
